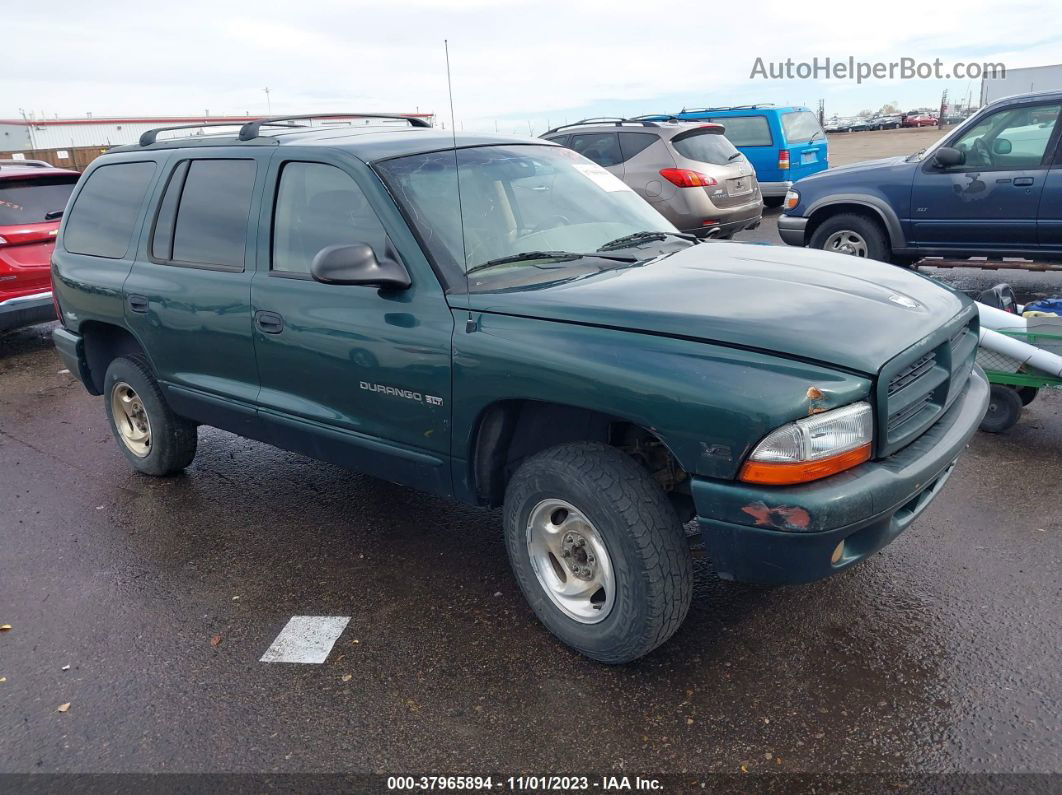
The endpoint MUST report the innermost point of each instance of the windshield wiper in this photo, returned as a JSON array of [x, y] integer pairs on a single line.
[[734, 156], [533, 255], [644, 237], [815, 135], [51, 215]]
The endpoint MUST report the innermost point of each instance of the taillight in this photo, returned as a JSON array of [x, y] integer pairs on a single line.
[[685, 178], [3, 240], [783, 159]]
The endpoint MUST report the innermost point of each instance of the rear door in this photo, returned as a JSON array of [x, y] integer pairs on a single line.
[[30, 209], [188, 295], [992, 201], [806, 142]]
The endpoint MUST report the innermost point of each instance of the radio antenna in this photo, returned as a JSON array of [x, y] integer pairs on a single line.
[[469, 324]]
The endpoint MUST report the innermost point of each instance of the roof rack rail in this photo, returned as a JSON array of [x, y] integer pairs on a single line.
[[149, 137], [729, 107], [249, 131], [30, 163], [649, 120]]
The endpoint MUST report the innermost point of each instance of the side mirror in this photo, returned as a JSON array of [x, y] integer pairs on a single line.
[[1002, 146], [946, 157], [356, 263]]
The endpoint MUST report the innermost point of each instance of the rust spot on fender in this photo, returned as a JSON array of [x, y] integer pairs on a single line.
[[814, 393], [781, 517]]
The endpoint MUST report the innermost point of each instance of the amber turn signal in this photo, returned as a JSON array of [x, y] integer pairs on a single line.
[[787, 473]]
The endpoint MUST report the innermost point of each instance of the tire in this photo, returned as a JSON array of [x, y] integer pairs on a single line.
[[847, 233], [170, 441], [629, 522], [773, 201], [1004, 410], [1027, 394]]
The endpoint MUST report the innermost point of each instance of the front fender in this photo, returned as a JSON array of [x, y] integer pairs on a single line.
[[708, 403], [879, 204]]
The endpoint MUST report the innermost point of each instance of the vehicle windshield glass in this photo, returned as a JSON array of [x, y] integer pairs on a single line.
[[516, 199], [28, 201], [705, 146], [800, 126]]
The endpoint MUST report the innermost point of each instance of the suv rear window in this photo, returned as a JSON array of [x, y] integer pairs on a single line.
[[746, 130], [800, 126], [105, 211], [28, 201], [705, 146]]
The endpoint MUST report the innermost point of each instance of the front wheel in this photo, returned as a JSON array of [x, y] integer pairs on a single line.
[[852, 234], [597, 551]]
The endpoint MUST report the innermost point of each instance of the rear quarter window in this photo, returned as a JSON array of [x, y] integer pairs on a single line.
[[746, 130], [800, 126], [105, 211], [30, 201]]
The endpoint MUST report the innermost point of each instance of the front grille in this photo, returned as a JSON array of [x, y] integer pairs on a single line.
[[918, 386], [911, 373]]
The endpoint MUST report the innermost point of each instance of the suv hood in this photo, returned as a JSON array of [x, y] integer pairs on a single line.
[[818, 306]]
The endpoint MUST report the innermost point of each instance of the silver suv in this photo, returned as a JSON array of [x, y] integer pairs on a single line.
[[689, 172]]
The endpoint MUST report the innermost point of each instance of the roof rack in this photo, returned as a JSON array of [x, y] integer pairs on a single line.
[[30, 163], [644, 121], [249, 131], [149, 137], [729, 107]]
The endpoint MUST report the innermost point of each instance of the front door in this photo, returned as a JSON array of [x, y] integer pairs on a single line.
[[351, 374], [991, 200]]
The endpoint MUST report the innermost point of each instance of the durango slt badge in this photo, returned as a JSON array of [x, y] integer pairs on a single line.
[[408, 394]]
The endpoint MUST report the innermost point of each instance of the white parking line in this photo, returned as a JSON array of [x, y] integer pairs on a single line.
[[306, 639]]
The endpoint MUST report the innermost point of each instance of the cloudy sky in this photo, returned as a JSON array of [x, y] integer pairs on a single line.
[[516, 65]]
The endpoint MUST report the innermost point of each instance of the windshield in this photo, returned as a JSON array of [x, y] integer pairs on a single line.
[[29, 201], [516, 199], [706, 146]]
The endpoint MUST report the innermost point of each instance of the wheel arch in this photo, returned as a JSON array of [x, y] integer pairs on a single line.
[[105, 342], [869, 206], [509, 431]]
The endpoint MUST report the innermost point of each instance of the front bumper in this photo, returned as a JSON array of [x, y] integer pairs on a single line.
[[789, 535], [791, 229], [25, 310]]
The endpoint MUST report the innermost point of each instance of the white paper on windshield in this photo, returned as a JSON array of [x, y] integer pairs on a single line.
[[603, 179]]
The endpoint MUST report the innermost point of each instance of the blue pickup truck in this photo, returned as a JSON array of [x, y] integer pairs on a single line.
[[783, 144], [990, 187]]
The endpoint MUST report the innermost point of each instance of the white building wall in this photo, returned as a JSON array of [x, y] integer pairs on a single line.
[[13, 137], [1021, 81]]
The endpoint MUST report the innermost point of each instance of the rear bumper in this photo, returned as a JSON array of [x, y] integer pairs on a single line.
[[775, 188], [789, 535], [71, 349], [791, 229], [732, 220], [26, 310]]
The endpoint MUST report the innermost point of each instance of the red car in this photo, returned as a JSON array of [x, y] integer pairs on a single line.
[[919, 120], [33, 195]]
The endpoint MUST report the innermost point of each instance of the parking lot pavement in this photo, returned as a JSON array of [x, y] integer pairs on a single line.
[[162, 596]]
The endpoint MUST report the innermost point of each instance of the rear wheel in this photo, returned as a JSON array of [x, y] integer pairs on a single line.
[[856, 235], [151, 437], [598, 551], [1004, 410]]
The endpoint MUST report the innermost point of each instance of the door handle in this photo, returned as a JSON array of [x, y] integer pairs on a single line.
[[1023, 182], [137, 303], [268, 322]]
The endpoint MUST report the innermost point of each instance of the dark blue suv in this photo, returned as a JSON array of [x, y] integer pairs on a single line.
[[991, 187]]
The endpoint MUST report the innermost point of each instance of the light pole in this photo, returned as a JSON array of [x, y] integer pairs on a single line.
[[269, 105]]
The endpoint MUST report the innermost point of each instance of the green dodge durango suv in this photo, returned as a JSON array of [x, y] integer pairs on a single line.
[[506, 323]]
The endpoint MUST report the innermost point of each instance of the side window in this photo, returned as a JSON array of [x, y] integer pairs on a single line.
[[319, 206], [202, 218], [103, 216], [1010, 139], [746, 130], [559, 139], [602, 148], [631, 143]]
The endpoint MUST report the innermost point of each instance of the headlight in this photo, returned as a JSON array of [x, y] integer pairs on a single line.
[[792, 199], [813, 447]]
